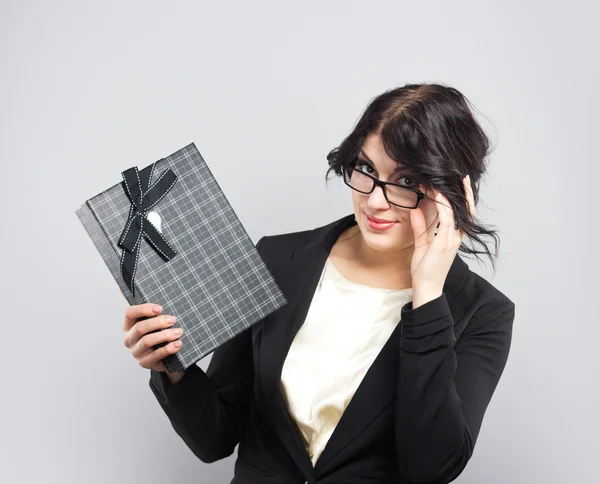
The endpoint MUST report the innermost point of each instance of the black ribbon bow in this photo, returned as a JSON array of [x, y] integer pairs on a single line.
[[135, 183]]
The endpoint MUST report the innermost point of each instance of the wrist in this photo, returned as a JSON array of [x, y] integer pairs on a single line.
[[422, 296], [175, 376]]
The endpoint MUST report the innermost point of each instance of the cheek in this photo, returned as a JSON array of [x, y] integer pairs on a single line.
[[358, 199]]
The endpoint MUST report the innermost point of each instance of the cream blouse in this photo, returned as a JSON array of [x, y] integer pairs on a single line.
[[345, 328]]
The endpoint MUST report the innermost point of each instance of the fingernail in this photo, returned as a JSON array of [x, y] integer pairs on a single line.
[[157, 309], [171, 319], [177, 344], [178, 330]]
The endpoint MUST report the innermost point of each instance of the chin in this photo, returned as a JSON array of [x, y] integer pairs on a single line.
[[388, 239]]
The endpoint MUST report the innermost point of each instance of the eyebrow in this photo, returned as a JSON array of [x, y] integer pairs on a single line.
[[399, 168]]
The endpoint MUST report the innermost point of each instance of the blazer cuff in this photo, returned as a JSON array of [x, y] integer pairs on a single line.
[[427, 327], [192, 380], [430, 311]]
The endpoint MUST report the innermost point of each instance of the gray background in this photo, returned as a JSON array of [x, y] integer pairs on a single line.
[[265, 90]]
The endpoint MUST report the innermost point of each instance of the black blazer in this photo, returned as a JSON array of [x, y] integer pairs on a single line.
[[415, 416]]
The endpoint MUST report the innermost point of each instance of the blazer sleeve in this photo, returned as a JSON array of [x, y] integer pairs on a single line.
[[208, 409], [445, 386]]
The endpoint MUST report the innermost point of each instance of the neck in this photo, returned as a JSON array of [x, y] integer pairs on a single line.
[[392, 265]]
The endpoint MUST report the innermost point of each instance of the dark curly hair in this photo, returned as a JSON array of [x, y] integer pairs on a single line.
[[431, 129]]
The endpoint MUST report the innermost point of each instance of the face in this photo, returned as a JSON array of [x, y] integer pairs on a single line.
[[374, 161]]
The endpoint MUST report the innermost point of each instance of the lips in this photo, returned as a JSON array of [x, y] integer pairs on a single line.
[[379, 220]]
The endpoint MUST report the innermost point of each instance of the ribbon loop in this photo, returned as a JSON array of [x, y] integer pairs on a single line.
[[142, 198]]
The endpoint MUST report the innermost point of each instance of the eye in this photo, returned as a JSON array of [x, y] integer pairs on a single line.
[[360, 163], [410, 182]]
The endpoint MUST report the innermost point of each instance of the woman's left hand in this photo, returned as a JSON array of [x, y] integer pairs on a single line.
[[433, 255]]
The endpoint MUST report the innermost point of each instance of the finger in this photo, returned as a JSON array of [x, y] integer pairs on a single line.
[[417, 220], [153, 359], [455, 234], [447, 229], [137, 311], [431, 193], [147, 343], [142, 328], [470, 196]]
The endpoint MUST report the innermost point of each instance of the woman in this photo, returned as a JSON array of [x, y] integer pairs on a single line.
[[382, 364]]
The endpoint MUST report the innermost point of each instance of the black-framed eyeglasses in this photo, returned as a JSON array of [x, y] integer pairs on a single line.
[[395, 194]]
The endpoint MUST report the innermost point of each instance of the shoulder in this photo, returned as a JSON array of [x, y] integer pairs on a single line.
[[285, 242], [488, 292], [282, 242], [277, 250], [484, 306], [322, 235]]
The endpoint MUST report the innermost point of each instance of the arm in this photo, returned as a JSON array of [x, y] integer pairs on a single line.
[[208, 410], [445, 386]]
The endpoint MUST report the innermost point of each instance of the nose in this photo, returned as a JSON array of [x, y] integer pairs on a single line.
[[377, 199]]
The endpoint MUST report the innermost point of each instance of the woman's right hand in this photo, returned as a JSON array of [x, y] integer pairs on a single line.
[[145, 327]]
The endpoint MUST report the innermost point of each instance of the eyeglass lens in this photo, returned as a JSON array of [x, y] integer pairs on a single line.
[[396, 194]]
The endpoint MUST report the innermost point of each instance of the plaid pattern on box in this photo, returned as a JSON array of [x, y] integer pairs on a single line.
[[217, 285]]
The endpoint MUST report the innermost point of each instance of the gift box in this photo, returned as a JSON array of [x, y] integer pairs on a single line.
[[169, 236]]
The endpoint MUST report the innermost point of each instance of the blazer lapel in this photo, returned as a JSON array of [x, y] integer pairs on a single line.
[[299, 285]]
